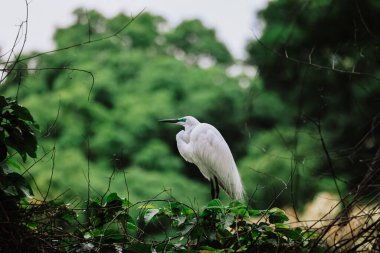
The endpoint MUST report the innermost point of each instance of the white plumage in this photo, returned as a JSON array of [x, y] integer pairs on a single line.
[[203, 145]]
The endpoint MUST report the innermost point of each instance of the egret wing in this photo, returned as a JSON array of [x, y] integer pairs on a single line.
[[184, 147]]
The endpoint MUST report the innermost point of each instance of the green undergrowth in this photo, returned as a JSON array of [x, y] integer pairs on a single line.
[[113, 223]]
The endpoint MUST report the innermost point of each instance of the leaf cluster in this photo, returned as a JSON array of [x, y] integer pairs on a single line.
[[17, 129], [17, 136], [114, 223]]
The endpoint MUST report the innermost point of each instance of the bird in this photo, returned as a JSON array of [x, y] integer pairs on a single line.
[[203, 145]]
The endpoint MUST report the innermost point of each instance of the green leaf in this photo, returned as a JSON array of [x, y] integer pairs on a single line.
[[95, 201], [16, 141], [187, 229], [27, 191], [179, 220], [114, 204], [255, 212], [32, 225], [215, 203], [236, 204], [11, 190], [277, 215], [24, 203], [87, 235], [17, 185], [176, 207], [29, 141], [293, 234], [281, 226], [149, 214], [127, 221], [310, 235], [132, 227], [126, 203], [229, 220], [22, 113], [13, 164], [187, 211], [255, 234], [112, 197], [238, 208]]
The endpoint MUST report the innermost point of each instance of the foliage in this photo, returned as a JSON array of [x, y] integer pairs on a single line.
[[323, 61], [194, 39], [16, 129], [108, 224], [17, 136]]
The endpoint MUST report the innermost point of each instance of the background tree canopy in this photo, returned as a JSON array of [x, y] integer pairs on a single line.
[[324, 63], [98, 103], [141, 75]]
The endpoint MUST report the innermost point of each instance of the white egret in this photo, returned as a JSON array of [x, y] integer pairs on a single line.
[[203, 145]]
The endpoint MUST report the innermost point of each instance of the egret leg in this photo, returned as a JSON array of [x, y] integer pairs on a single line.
[[216, 188], [212, 189]]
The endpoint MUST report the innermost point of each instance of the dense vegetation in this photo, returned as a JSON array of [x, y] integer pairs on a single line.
[[107, 224], [107, 173]]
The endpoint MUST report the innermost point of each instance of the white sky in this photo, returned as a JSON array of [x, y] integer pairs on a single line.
[[234, 21]]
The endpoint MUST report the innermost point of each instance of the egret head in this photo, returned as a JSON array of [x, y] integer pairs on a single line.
[[187, 121]]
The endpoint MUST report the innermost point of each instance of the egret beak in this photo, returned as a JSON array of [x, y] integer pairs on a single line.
[[168, 120]]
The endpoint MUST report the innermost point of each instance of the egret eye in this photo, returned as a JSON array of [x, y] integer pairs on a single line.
[[182, 119]]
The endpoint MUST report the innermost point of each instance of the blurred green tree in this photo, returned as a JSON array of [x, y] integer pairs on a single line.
[[138, 80], [196, 40], [322, 59]]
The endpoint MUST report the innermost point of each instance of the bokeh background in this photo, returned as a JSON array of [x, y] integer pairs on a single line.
[[297, 100]]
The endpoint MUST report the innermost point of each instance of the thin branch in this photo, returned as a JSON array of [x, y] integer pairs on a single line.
[[133, 18], [88, 172], [52, 173], [314, 65], [328, 157], [50, 128], [3, 77], [62, 68]]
